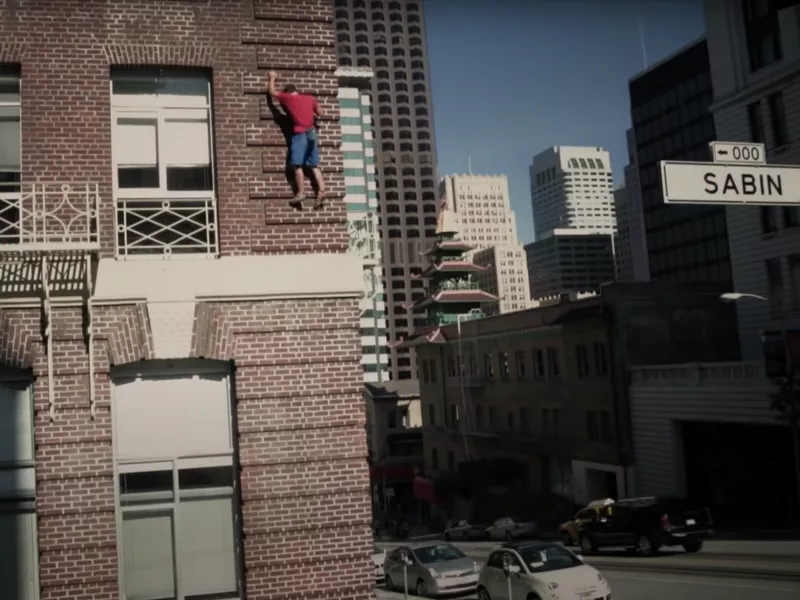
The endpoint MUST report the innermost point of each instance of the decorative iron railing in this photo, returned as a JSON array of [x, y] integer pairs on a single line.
[[49, 216], [363, 237], [456, 284], [166, 226]]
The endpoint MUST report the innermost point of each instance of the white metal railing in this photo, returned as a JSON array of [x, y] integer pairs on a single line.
[[49, 216], [166, 226], [363, 237]]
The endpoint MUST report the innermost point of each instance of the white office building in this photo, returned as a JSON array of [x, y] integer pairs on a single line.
[[483, 208], [572, 188], [754, 50], [361, 200], [506, 277], [630, 241]]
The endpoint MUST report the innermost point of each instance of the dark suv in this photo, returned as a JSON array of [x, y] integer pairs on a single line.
[[647, 524]]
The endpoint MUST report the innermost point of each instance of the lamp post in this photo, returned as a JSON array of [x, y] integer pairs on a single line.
[[794, 409]]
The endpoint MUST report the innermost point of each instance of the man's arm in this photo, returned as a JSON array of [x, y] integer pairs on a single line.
[[273, 76], [317, 110]]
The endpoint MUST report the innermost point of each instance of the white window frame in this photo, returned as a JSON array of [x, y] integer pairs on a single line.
[[161, 108], [19, 505], [172, 505]]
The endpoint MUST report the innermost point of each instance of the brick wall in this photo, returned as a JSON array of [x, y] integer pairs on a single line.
[[301, 422], [66, 49]]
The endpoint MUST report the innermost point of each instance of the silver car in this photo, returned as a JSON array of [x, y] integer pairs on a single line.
[[523, 570], [432, 569], [510, 529], [378, 558]]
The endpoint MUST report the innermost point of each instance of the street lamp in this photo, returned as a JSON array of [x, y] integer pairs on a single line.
[[794, 409], [734, 296]]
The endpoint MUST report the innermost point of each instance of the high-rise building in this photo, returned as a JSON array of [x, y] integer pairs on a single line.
[[388, 36], [483, 207], [631, 245], [569, 261], [671, 120], [168, 323], [571, 188], [754, 52], [361, 201], [506, 276]]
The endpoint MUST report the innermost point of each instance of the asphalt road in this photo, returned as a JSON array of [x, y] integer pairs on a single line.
[[660, 578], [656, 586]]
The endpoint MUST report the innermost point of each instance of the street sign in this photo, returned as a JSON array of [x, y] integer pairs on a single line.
[[738, 153], [712, 183]]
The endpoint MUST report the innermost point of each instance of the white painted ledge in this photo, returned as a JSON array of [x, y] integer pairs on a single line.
[[230, 278]]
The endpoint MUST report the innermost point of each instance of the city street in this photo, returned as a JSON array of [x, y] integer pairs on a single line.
[[658, 586], [719, 572]]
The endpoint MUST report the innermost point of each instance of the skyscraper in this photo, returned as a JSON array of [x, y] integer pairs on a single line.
[[487, 223], [571, 188], [389, 37], [362, 220], [671, 120], [756, 99]]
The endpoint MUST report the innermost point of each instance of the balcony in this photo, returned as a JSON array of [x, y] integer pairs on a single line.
[[456, 284], [363, 238], [168, 226], [49, 217]]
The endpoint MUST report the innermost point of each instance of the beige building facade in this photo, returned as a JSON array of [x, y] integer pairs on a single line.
[[535, 386]]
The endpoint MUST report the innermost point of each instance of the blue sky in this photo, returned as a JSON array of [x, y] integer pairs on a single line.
[[512, 77]]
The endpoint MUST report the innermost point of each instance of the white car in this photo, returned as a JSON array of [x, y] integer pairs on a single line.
[[378, 558], [540, 570]]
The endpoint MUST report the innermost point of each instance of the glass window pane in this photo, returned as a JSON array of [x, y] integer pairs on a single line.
[[135, 143], [162, 82], [186, 143], [16, 425], [9, 138], [207, 546], [148, 555], [18, 555], [9, 90]]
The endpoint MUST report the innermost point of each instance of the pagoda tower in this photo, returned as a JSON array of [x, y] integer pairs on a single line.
[[451, 289]]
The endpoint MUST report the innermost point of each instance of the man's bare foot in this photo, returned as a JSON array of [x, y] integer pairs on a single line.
[[320, 200], [297, 201]]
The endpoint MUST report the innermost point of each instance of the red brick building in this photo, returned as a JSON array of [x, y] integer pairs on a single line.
[[180, 387]]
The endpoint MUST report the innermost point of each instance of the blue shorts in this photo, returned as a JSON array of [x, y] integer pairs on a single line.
[[303, 149]]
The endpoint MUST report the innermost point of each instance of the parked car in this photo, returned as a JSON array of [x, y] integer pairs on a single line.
[[378, 559], [433, 569], [538, 569], [570, 530], [648, 524], [463, 530], [509, 529]]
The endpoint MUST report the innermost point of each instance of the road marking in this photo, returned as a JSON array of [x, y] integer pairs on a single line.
[[761, 588]]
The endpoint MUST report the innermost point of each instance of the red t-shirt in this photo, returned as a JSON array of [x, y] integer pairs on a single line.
[[301, 109]]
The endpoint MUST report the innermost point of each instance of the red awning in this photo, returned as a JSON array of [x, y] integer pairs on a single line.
[[424, 490], [393, 472]]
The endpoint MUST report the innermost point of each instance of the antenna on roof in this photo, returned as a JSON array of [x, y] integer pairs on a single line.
[[641, 40], [469, 163]]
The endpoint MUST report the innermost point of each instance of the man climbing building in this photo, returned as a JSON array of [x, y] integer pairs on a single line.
[[303, 109]]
